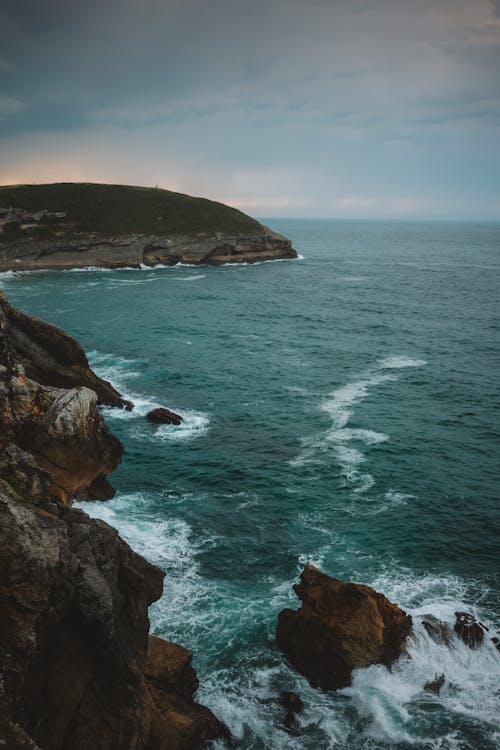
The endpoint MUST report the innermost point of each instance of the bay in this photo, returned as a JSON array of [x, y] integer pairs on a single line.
[[340, 409]]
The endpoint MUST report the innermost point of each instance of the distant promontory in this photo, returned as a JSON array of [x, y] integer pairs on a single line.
[[77, 225]]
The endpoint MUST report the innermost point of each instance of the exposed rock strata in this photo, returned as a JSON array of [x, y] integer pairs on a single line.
[[134, 250], [78, 669], [340, 627]]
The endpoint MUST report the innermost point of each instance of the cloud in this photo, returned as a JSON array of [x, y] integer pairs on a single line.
[[281, 102], [10, 106]]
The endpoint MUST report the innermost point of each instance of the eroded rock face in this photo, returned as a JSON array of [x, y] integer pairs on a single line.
[[48, 355], [134, 250], [77, 670], [340, 627], [59, 431]]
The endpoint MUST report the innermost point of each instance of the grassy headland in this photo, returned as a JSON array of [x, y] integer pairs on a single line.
[[118, 209]]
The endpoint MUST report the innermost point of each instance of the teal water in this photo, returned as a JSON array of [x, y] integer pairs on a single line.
[[340, 409]]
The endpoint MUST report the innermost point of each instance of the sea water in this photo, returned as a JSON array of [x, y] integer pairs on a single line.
[[340, 409]]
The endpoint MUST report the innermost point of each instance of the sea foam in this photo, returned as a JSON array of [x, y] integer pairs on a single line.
[[340, 405]]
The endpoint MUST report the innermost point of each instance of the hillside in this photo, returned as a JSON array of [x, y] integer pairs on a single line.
[[77, 225], [120, 209]]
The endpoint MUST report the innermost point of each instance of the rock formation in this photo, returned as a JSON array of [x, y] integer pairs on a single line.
[[469, 629], [340, 627], [48, 355], [163, 416], [78, 669], [136, 250]]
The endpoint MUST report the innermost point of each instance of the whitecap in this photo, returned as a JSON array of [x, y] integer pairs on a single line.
[[118, 370], [396, 363], [391, 701], [194, 424], [339, 405]]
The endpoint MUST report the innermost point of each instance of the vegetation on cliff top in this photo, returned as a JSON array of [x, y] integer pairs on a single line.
[[121, 209]]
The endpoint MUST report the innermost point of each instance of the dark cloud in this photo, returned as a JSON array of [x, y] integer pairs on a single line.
[[324, 99]]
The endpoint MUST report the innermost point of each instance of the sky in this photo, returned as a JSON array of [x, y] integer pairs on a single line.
[[319, 108]]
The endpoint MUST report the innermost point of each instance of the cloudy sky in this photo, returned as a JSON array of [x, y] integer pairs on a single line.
[[342, 108]]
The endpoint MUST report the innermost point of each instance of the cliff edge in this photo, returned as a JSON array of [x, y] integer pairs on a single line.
[[78, 668], [77, 225]]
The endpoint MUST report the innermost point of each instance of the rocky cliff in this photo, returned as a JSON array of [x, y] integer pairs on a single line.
[[64, 226], [78, 668]]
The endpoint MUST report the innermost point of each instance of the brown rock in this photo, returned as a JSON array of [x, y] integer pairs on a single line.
[[63, 434], [340, 627], [48, 355], [79, 671], [163, 416]]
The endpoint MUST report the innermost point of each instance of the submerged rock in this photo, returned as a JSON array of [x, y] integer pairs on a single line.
[[163, 416], [339, 627], [435, 685], [469, 629], [293, 705]]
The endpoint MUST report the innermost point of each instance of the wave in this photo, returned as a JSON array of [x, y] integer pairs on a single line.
[[391, 363], [118, 370], [241, 676], [394, 703], [337, 438]]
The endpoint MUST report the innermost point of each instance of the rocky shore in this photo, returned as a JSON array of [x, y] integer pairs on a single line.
[[78, 668]]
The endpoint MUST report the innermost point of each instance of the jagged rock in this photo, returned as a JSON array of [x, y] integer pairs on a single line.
[[77, 670], [340, 627], [440, 632], [291, 701], [49, 356], [172, 681], [469, 629], [435, 685], [163, 416], [293, 705], [59, 431]]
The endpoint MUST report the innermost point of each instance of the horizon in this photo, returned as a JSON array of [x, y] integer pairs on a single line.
[[284, 217], [337, 110]]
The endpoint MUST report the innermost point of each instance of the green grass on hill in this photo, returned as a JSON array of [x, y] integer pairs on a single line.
[[124, 209]]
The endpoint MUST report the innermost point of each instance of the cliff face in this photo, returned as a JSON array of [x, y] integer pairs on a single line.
[[78, 225], [78, 669], [135, 250]]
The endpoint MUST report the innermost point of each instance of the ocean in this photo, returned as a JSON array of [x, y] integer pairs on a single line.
[[340, 409]]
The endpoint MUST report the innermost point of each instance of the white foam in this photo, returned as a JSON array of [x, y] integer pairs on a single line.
[[396, 363], [117, 371], [340, 405], [392, 701], [194, 424], [164, 542]]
